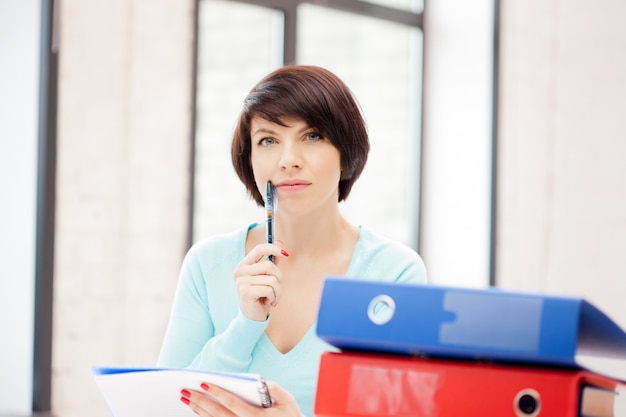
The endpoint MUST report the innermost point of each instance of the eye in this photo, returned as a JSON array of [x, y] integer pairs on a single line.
[[314, 136], [266, 141]]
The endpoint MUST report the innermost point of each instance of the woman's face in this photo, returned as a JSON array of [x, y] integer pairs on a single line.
[[304, 166]]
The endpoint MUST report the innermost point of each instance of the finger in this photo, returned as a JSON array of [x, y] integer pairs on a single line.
[[247, 281], [204, 405], [280, 397], [230, 401], [262, 251], [255, 292], [265, 267], [256, 300]]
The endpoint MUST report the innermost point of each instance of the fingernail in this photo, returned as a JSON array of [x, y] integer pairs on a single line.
[[185, 400], [284, 252], [204, 386], [185, 393]]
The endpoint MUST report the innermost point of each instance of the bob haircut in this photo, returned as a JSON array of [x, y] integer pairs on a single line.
[[319, 98]]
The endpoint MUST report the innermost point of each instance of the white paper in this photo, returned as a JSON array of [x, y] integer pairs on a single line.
[[611, 367], [156, 393], [620, 401]]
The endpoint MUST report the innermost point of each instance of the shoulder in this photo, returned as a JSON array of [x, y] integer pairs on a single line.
[[374, 243], [388, 259], [218, 241]]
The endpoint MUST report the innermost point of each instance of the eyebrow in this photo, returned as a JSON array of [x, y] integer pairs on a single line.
[[263, 130], [273, 132]]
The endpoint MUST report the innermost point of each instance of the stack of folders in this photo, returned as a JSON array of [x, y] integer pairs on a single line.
[[432, 351]]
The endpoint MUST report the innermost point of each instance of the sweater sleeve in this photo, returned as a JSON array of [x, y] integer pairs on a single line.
[[206, 329], [231, 350]]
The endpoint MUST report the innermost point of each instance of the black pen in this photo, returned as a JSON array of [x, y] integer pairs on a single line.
[[271, 202]]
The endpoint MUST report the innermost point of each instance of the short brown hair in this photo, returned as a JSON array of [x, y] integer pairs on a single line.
[[319, 98]]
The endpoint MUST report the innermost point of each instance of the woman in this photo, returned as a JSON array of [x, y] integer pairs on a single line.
[[301, 129]]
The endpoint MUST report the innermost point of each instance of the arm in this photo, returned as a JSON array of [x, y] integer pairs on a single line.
[[216, 320], [206, 330]]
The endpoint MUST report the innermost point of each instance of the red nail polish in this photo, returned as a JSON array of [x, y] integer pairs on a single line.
[[204, 386], [185, 393], [284, 252], [185, 400]]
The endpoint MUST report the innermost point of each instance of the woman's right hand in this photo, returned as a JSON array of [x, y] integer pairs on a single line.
[[258, 281]]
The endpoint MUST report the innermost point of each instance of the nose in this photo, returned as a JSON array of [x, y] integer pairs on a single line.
[[291, 158]]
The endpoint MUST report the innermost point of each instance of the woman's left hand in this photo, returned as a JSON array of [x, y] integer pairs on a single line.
[[212, 400]]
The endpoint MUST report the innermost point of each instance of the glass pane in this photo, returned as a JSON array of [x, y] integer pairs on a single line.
[[415, 6], [381, 63], [237, 45]]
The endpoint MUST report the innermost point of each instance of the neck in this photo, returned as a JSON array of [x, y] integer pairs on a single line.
[[313, 234]]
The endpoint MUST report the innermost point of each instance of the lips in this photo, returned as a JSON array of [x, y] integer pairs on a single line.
[[292, 185]]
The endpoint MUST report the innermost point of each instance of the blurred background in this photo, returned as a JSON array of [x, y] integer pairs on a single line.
[[498, 152]]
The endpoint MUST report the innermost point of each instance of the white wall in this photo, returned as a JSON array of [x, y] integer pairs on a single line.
[[562, 193], [19, 112], [124, 119]]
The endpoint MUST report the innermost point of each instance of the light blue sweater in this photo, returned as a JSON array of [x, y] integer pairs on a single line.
[[208, 331]]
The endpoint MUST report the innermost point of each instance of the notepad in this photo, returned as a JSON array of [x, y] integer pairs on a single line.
[[155, 392]]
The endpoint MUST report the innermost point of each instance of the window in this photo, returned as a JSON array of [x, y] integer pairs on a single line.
[[375, 49]]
